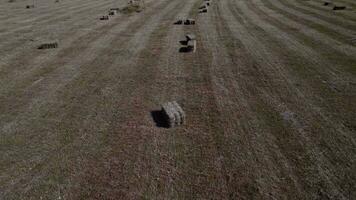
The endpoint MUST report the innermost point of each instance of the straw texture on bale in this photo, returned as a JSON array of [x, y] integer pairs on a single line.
[[191, 46], [339, 7], [174, 114], [190, 37], [189, 22], [52, 45], [105, 17], [112, 12]]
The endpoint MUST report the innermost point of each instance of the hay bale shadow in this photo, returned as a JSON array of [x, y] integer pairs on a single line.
[[184, 50], [179, 22], [48, 46], [339, 8], [160, 119], [183, 42]]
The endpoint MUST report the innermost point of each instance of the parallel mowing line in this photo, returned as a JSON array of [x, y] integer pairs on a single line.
[[233, 83], [20, 15], [192, 13], [347, 13], [328, 16], [64, 35], [218, 134], [46, 13], [50, 10], [336, 20], [58, 14], [118, 41], [271, 39], [233, 49], [138, 71], [49, 18], [201, 74], [344, 61], [118, 37], [301, 58], [317, 6], [245, 84], [94, 35], [139, 88], [293, 10], [51, 21], [336, 34], [349, 2], [276, 42], [9, 51], [327, 181], [323, 48]]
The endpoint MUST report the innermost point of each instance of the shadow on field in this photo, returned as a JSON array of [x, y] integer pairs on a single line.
[[184, 50], [183, 42], [159, 118]]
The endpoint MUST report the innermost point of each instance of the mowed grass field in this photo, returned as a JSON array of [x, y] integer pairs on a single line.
[[270, 99]]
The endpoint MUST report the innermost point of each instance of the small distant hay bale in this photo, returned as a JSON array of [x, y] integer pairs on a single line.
[[189, 44], [105, 17], [204, 6], [30, 6], [192, 45], [185, 22], [51, 45], [116, 9], [189, 22], [179, 22], [339, 7], [205, 10], [112, 12], [173, 113], [327, 3]]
